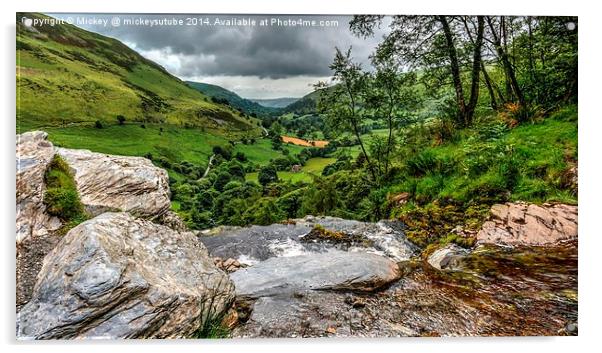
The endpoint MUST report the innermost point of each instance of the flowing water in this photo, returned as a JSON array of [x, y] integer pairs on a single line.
[[498, 291]]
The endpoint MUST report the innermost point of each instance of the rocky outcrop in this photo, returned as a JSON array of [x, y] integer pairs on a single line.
[[251, 245], [332, 270], [116, 276], [529, 224], [34, 154], [448, 257], [117, 183]]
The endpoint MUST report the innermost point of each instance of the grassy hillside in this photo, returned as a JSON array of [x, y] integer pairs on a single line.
[[67, 76], [305, 105], [233, 99]]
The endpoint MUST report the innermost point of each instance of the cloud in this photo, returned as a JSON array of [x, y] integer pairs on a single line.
[[263, 52]]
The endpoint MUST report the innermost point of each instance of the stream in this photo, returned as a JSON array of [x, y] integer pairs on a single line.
[[499, 291]]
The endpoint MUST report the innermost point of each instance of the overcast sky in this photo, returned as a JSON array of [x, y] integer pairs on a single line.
[[257, 61]]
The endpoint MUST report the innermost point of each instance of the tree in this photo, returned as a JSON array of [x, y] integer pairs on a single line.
[[120, 119], [342, 103], [496, 40], [391, 97], [430, 43], [267, 174]]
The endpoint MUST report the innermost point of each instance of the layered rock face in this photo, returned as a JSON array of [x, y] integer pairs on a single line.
[[34, 154], [118, 183], [529, 224], [116, 276]]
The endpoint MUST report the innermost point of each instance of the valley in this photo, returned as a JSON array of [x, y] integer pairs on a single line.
[[432, 199]]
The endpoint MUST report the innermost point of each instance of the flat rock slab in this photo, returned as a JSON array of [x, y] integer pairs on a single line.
[[116, 276], [118, 183], [335, 270]]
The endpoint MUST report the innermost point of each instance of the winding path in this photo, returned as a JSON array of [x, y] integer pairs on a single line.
[[208, 166]]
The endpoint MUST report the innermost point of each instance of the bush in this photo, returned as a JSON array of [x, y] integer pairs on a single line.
[[267, 174], [98, 124], [61, 197]]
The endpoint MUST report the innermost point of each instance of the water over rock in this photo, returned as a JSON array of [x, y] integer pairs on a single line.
[[118, 183], [523, 223], [251, 245], [335, 270], [116, 276], [34, 154]]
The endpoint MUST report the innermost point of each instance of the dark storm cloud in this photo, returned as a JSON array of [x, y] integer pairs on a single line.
[[266, 52]]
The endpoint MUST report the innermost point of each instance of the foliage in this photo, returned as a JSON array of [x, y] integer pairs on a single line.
[[61, 196]]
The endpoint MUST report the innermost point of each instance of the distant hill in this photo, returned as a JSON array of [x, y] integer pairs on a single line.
[[275, 102], [233, 99], [67, 75], [305, 105]]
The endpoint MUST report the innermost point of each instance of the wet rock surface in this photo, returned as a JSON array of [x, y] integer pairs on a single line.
[[34, 154], [118, 183], [529, 224], [504, 292], [335, 270], [116, 276], [251, 245]]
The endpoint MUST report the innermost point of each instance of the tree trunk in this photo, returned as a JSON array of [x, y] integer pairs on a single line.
[[455, 68], [476, 69], [489, 87], [509, 70]]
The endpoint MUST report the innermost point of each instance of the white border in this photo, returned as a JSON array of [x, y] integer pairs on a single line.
[[590, 149]]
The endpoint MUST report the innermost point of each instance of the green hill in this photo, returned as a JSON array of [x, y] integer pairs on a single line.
[[305, 105], [218, 93], [68, 76]]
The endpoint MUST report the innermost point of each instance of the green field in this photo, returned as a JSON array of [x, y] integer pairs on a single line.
[[313, 166], [261, 151], [173, 143]]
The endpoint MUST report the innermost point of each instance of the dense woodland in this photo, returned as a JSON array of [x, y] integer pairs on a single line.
[[470, 111]]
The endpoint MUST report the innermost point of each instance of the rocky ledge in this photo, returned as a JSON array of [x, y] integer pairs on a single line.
[[34, 154], [116, 276], [529, 224], [108, 183]]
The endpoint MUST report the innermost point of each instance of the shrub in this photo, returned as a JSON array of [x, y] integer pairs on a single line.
[[267, 174], [98, 124], [61, 197]]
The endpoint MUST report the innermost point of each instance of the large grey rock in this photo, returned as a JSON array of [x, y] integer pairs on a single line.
[[118, 183], [448, 257], [251, 245], [116, 276], [34, 154], [332, 270], [529, 224]]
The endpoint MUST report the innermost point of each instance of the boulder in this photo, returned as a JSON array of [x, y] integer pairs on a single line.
[[337, 270], [529, 224], [116, 276], [448, 257], [34, 154], [117, 183]]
